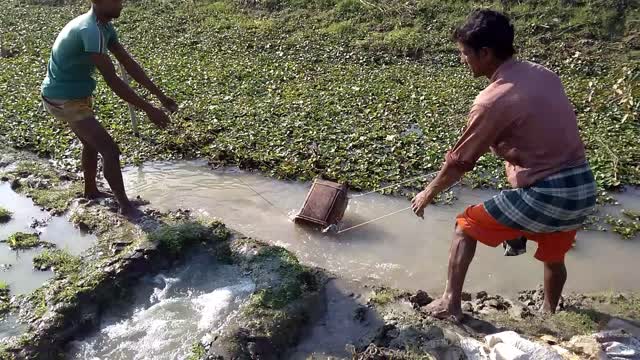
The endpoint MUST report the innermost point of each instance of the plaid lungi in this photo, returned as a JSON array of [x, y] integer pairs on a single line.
[[559, 202]]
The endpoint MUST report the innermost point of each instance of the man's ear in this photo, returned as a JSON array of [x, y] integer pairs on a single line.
[[485, 53]]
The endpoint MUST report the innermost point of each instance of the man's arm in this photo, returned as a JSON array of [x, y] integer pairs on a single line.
[[482, 131], [108, 71], [138, 74]]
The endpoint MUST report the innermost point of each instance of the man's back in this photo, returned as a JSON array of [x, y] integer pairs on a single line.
[[70, 69], [540, 133]]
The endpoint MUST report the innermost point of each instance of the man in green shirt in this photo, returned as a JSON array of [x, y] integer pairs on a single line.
[[67, 92]]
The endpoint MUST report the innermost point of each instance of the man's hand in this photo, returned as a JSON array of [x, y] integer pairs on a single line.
[[168, 103], [158, 117], [419, 202], [137, 73]]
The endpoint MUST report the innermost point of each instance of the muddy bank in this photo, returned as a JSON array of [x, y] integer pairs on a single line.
[[383, 323], [85, 286], [408, 332]]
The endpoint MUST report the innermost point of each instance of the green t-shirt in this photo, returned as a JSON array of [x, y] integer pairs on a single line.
[[70, 69]]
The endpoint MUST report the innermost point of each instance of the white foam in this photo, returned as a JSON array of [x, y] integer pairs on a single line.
[[165, 329], [212, 305]]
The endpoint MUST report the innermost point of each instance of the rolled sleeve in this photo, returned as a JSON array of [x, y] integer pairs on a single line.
[[482, 131]]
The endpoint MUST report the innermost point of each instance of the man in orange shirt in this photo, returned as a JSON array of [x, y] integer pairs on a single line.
[[525, 117]]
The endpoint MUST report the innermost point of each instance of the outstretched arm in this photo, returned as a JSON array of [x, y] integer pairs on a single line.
[[108, 71], [138, 74]]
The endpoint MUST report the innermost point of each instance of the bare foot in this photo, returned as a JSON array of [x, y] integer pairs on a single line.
[[546, 310], [131, 213], [443, 309], [97, 194]]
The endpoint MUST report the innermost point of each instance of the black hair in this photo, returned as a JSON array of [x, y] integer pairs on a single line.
[[487, 28]]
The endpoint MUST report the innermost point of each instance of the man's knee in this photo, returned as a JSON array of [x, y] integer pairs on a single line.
[[460, 234], [555, 266], [110, 152]]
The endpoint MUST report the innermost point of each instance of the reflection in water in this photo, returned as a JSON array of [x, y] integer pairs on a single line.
[[401, 251]]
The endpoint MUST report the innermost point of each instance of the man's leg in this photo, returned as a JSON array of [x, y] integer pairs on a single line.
[[92, 133], [90, 169], [463, 248], [555, 275]]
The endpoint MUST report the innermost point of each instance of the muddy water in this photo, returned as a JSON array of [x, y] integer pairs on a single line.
[[168, 314], [401, 251], [20, 276], [338, 326]]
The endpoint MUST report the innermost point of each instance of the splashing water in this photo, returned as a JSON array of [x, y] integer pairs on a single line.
[[171, 312]]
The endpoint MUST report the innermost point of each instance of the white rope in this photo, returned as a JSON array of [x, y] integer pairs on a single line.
[[370, 221], [394, 185], [387, 215], [263, 198]]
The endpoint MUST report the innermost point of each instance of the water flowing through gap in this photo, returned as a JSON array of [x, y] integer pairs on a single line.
[[168, 313]]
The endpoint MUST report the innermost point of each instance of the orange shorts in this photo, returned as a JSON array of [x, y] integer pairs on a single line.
[[478, 224]]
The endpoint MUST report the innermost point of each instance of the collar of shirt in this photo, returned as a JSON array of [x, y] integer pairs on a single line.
[[504, 67], [95, 17]]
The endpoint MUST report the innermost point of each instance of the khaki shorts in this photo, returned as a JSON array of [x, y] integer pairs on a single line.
[[69, 111]]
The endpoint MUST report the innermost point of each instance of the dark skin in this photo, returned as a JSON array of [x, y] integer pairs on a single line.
[[95, 139], [482, 62]]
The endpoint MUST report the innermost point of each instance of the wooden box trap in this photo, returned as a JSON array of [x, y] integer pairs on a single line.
[[325, 204]]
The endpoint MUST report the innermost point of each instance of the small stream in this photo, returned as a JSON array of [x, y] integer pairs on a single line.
[[18, 271], [168, 313], [401, 251], [21, 276]]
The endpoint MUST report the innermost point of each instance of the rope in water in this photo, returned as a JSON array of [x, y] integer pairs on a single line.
[[263, 198], [372, 220], [353, 197], [387, 215], [394, 185]]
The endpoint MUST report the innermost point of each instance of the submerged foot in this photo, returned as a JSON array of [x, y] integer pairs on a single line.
[[443, 309]]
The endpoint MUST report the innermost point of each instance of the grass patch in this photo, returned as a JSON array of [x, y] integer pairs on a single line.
[[383, 296], [55, 200], [5, 215], [294, 279], [621, 305], [38, 302], [173, 238], [4, 354], [36, 168], [21, 241], [58, 260], [197, 351], [261, 80], [564, 324], [570, 323], [5, 305]]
